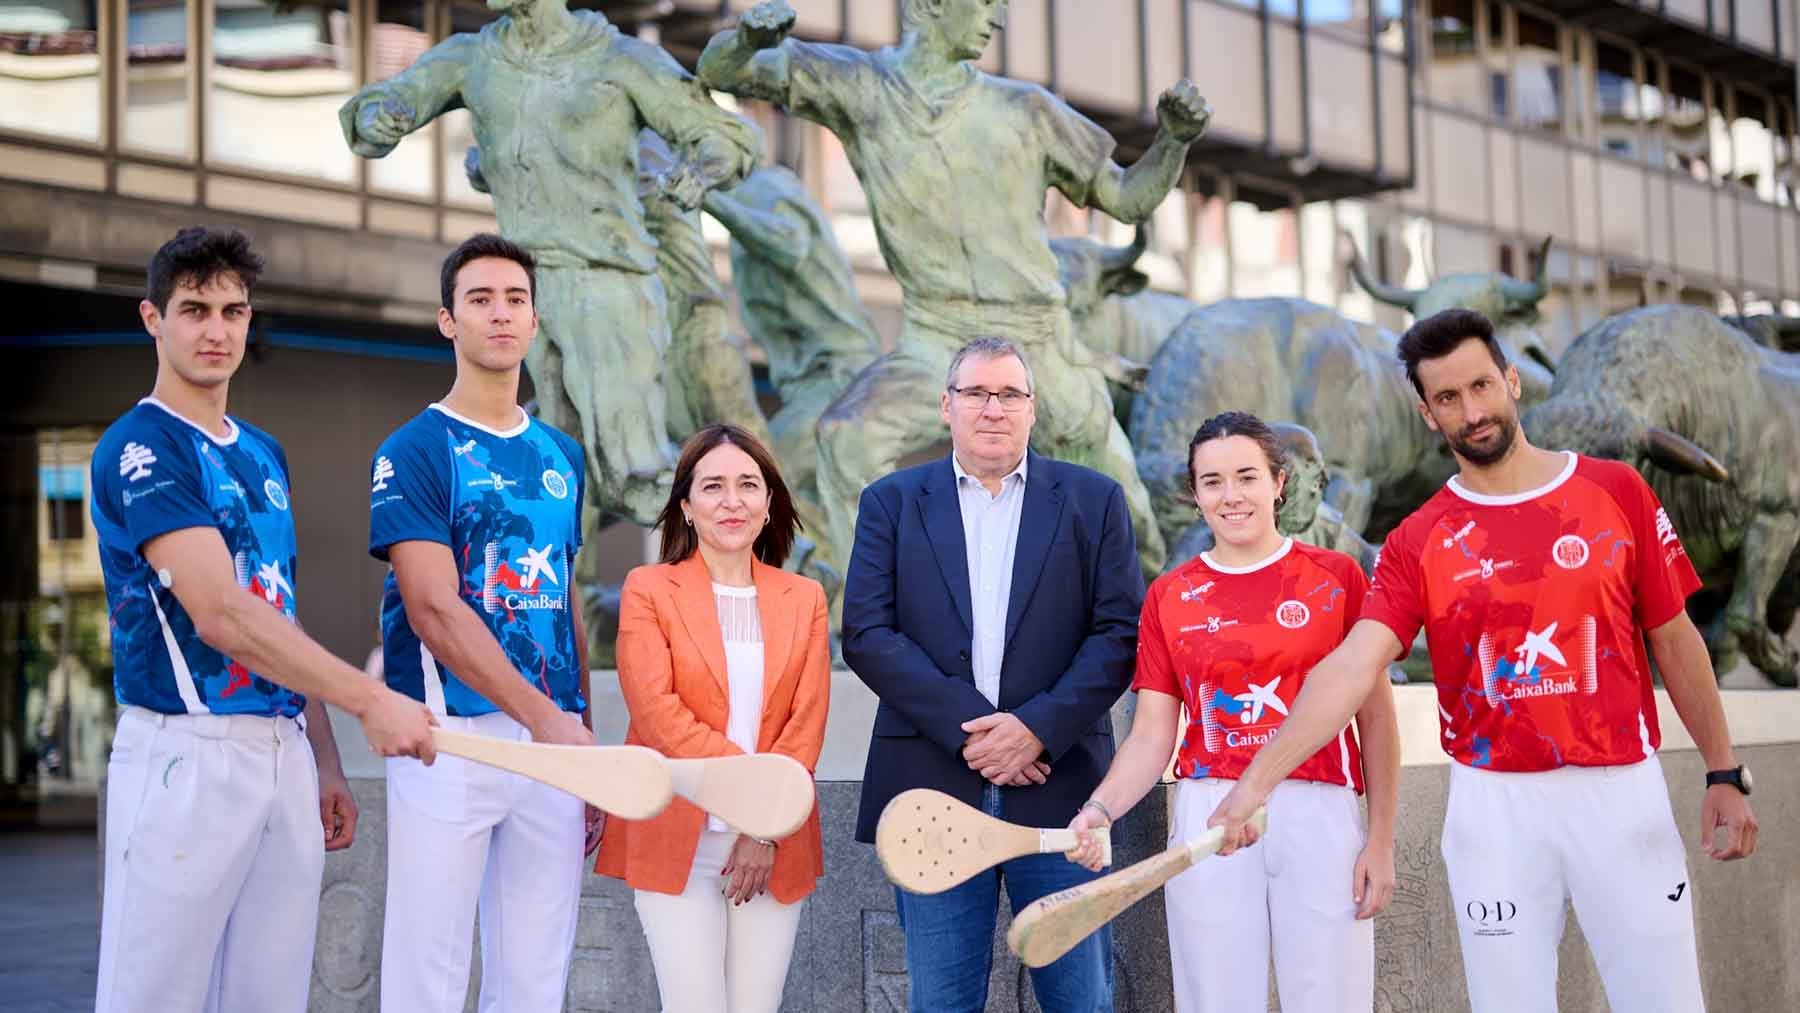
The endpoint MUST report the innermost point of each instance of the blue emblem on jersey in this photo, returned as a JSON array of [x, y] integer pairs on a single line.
[[154, 472], [508, 506]]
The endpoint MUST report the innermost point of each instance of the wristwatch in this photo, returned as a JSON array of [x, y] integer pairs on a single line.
[[1738, 777]]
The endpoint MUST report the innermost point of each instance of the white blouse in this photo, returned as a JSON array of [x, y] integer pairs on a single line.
[[741, 627]]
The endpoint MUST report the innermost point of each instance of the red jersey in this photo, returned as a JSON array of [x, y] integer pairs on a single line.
[[1534, 608], [1234, 644]]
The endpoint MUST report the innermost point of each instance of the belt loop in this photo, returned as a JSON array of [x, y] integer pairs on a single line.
[[160, 718]]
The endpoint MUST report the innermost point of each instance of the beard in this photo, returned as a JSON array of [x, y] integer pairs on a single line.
[[1498, 445]]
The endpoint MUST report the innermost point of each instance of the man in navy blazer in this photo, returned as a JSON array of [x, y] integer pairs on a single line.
[[991, 602]]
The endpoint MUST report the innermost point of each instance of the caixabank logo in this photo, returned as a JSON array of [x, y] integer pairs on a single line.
[[539, 582]]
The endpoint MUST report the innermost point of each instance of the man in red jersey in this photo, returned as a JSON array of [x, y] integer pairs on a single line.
[[1538, 576]]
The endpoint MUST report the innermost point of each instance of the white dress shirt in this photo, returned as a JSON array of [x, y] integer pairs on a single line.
[[990, 533]]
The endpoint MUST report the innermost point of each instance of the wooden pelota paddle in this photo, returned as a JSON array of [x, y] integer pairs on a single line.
[[627, 781], [1052, 926], [761, 794], [929, 842], [765, 795]]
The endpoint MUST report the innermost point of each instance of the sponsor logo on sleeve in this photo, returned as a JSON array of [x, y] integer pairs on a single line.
[[135, 462]]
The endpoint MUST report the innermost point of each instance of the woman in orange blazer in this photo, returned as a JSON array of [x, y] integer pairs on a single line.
[[721, 652]]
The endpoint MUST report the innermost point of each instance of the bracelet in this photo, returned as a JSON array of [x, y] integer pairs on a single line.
[[766, 844], [1100, 808]]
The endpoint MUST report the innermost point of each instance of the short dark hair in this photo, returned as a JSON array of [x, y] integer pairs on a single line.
[[777, 538], [1238, 424], [477, 246], [1439, 334], [195, 257]]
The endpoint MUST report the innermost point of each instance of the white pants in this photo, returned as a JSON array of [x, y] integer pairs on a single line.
[[713, 956], [1290, 893], [1520, 846], [214, 852], [464, 835]]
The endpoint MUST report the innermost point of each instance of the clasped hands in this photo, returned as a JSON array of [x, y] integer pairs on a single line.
[[1002, 750]]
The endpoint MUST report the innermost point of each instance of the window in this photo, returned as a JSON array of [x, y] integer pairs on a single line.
[[400, 37], [1786, 178], [1537, 76], [1351, 18], [280, 72], [156, 78], [1456, 75], [1753, 145], [1618, 105], [66, 513], [1689, 148], [50, 69], [459, 127]]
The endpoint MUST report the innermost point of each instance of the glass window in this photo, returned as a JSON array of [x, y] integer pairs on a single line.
[[1351, 18], [1618, 104], [156, 78], [1689, 147], [1265, 251], [1718, 133], [459, 127], [1456, 74], [280, 72], [1494, 58], [63, 485], [400, 37], [1284, 8], [50, 68], [1785, 175], [1753, 146], [1538, 75]]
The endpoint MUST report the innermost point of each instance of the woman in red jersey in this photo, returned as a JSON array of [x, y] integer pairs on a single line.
[[1231, 634]]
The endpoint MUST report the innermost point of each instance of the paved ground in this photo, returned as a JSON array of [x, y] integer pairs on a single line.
[[49, 921]]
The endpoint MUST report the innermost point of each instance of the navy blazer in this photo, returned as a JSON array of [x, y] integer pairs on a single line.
[[1071, 634]]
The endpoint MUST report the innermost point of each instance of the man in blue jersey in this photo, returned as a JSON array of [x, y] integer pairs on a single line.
[[478, 507], [221, 770]]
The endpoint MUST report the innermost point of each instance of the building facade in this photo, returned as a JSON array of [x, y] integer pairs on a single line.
[[1656, 143]]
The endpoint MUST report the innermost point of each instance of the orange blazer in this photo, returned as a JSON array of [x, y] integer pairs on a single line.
[[671, 659]]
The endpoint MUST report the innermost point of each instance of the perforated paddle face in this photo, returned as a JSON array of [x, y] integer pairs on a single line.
[[929, 842]]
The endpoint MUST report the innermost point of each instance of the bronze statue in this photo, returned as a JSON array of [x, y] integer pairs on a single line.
[[956, 163], [1667, 388], [558, 98]]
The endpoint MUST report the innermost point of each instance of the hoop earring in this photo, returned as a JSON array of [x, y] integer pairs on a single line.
[[688, 519]]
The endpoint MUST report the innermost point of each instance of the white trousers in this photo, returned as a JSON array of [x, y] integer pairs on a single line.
[[1290, 894], [464, 836], [214, 852], [713, 956], [1519, 847]]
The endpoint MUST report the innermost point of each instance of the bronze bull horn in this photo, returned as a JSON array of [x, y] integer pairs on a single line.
[[1122, 258], [1527, 294], [1393, 295], [1675, 453]]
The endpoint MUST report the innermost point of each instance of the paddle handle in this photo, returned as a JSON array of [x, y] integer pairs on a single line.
[[1210, 842], [1051, 842]]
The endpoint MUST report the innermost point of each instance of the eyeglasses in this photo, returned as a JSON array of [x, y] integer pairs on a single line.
[[976, 398]]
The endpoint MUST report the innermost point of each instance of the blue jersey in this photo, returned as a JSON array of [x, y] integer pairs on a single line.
[[155, 472], [508, 505]]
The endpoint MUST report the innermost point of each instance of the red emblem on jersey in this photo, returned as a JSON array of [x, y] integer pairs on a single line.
[[1570, 552], [1292, 614]]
